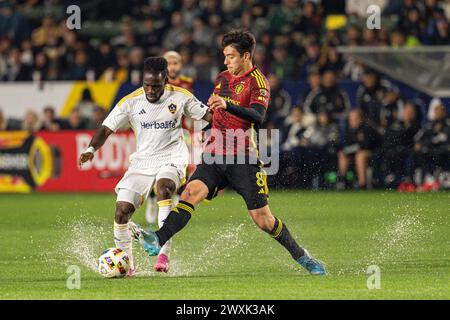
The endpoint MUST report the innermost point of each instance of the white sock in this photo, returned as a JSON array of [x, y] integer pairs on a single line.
[[165, 206], [151, 210], [124, 240]]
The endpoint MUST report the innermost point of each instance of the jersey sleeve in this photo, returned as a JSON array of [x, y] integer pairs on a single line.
[[118, 117], [259, 90], [194, 108]]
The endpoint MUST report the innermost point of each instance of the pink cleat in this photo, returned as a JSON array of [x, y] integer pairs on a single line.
[[162, 264], [131, 273]]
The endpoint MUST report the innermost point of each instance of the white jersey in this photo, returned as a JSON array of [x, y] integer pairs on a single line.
[[157, 126]]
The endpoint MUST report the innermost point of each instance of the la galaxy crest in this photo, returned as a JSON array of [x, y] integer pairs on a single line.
[[172, 108]]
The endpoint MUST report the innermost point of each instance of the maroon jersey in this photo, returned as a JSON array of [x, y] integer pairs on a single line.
[[231, 134]]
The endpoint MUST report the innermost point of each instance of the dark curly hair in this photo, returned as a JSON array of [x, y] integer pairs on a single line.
[[155, 65], [243, 41]]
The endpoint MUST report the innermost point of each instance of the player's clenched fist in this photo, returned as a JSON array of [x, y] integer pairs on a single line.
[[88, 155], [216, 102]]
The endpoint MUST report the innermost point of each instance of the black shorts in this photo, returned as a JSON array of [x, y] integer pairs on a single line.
[[249, 180]]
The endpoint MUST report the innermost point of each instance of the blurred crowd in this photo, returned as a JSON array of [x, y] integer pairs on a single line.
[[292, 35], [383, 140]]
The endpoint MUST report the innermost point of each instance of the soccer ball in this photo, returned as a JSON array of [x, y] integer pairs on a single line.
[[113, 263]]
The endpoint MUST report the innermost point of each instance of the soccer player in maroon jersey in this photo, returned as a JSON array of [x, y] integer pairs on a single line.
[[239, 102]]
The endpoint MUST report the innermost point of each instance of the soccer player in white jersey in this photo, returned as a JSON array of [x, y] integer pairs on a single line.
[[174, 66], [154, 113]]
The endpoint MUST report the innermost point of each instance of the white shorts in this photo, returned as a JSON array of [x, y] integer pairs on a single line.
[[135, 187]]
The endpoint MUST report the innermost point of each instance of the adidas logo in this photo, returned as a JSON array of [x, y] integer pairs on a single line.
[[142, 112]]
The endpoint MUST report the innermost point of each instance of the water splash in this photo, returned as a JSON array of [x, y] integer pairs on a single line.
[[83, 242], [213, 254], [400, 237]]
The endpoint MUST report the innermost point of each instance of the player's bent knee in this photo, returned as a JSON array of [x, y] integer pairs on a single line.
[[263, 218], [124, 211], [195, 192], [165, 189]]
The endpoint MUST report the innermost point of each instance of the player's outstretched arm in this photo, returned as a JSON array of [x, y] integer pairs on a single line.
[[96, 143], [256, 113]]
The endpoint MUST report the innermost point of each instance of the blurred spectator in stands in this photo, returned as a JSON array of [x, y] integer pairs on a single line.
[[293, 130], [66, 52], [105, 61], [151, 39], [369, 38], [323, 138], [128, 38], [329, 98], [310, 21], [188, 42], [30, 121], [188, 68], [87, 105], [331, 39], [314, 80], [353, 33], [280, 103], [324, 134], [369, 97], [283, 15], [12, 24], [405, 7], [352, 68], [432, 147], [312, 55], [210, 8], [80, 67], [215, 22], [412, 25], [5, 46], [438, 32], [433, 9], [8, 124], [260, 60], [121, 70], [99, 115], [136, 58], [391, 106], [41, 34], [49, 120], [332, 60], [159, 14], [397, 39], [397, 147], [174, 35], [282, 64], [204, 69], [203, 35], [16, 69], [189, 11], [359, 142], [40, 70], [434, 103], [26, 54], [75, 121]]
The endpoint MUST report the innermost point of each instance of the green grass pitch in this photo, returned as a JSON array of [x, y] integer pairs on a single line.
[[222, 255]]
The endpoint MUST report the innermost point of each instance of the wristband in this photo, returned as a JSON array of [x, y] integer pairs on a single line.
[[91, 149]]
